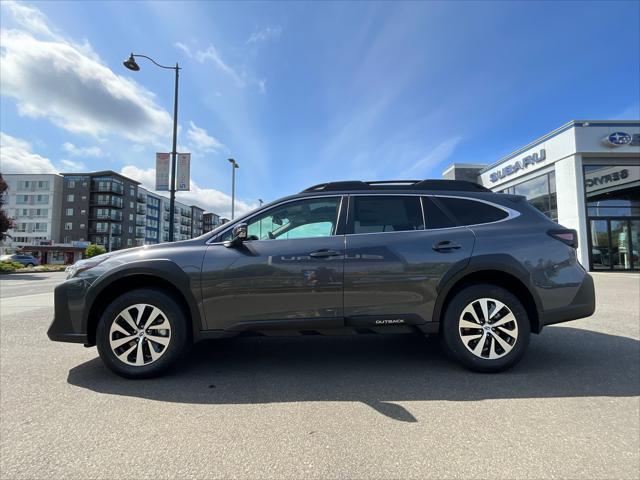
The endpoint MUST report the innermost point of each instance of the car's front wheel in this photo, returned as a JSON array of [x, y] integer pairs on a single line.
[[486, 328], [142, 333]]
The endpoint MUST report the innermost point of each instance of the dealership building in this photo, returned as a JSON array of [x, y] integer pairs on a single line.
[[585, 175]]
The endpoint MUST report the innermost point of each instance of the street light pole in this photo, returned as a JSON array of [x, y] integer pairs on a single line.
[[234, 165], [131, 64], [260, 201], [172, 190]]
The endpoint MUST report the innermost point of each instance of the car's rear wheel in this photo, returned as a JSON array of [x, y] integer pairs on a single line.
[[142, 333], [29, 265], [486, 328]]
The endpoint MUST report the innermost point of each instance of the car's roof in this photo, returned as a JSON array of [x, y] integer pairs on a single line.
[[399, 185]]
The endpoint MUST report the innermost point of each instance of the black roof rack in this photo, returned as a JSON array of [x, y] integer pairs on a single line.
[[455, 185]]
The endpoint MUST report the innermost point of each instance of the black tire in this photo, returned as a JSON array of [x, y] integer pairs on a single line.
[[178, 343], [451, 330], [29, 265]]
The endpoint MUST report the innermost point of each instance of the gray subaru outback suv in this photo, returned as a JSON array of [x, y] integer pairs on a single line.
[[483, 270]]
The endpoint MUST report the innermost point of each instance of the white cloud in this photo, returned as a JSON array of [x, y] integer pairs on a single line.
[[264, 34], [76, 151], [208, 198], [72, 165], [262, 85], [69, 85], [201, 140], [29, 18], [16, 157], [211, 54], [437, 155]]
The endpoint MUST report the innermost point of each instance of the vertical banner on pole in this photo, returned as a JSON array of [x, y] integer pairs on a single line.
[[162, 172], [183, 173]]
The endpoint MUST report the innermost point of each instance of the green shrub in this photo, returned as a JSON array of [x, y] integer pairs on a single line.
[[93, 250], [8, 267]]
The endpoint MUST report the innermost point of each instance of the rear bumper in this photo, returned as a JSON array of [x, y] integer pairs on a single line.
[[67, 325], [583, 305]]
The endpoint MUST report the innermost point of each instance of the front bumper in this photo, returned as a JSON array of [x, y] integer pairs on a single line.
[[582, 305], [68, 321]]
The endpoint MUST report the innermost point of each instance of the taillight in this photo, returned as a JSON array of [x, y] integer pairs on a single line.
[[565, 235]]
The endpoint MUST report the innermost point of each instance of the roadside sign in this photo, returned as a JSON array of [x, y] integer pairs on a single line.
[[183, 173], [162, 172]]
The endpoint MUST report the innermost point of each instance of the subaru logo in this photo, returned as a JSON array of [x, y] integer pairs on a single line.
[[618, 138]]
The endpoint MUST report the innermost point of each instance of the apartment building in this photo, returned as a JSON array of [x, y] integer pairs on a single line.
[[33, 201], [148, 224], [105, 207], [211, 221], [100, 207], [197, 224]]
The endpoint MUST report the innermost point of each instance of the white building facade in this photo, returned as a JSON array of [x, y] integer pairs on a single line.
[[585, 175], [34, 202]]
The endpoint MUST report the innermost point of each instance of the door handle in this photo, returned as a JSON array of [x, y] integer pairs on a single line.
[[324, 253], [446, 246]]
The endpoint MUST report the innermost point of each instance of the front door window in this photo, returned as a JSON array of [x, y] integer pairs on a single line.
[[302, 219]]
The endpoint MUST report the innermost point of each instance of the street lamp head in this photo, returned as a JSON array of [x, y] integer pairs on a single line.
[[233, 162], [131, 64]]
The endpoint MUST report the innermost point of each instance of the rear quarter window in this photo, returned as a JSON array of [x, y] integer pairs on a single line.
[[434, 216], [471, 212]]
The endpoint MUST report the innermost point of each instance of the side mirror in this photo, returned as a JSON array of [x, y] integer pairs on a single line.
[[239, 235]]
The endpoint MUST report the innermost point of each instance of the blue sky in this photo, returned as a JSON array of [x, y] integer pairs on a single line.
[[301, 93]]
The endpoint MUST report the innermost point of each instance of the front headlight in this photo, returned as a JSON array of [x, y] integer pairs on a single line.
[[84, 265]]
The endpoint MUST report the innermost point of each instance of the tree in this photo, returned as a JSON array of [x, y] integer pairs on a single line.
[[5, 222], [93, 250]]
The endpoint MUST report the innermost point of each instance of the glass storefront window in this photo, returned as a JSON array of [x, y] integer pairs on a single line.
[[540, 192], [612, 190], [613, 211]]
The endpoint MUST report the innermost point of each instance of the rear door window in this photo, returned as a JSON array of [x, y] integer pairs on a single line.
[[378, 214], [471, 212]]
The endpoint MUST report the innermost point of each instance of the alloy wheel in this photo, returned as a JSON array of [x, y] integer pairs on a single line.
[[488, 328], [140, 334]]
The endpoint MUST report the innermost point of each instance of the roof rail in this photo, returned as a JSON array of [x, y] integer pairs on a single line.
[[454, 185]]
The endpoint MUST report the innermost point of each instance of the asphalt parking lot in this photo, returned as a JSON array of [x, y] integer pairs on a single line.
[[323, 407]]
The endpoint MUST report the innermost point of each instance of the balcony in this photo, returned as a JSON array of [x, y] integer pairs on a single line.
[[108, 188], [141, 210], [142, 198], [140, 232], [141, 222], [114, 216], [110, 202]]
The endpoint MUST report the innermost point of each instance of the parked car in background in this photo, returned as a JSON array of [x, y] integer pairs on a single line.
[[23, 258], [482, 269]]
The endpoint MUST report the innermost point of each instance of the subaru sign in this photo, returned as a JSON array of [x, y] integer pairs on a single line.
[[618, 139], [521, 164]]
